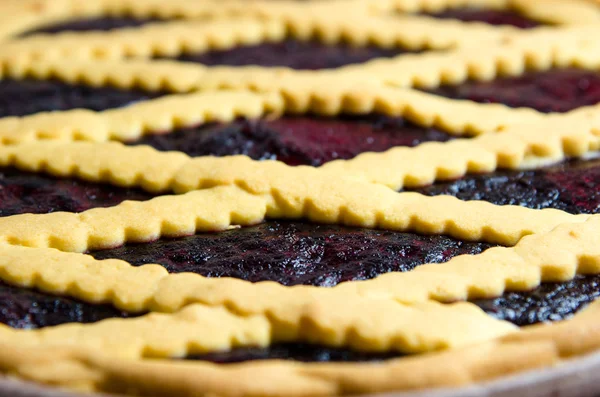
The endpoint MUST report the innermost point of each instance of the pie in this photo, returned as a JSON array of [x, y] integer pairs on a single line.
[[288, 198]]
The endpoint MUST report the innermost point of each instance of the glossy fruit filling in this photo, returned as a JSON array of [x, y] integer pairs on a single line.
[[572, 186], [91, 24], [301, 140], [549, 302], [26, 97], [491, 17], [29, 309], [24, 192], [555, 90], [292, 351], [294, 253], [295, 54]]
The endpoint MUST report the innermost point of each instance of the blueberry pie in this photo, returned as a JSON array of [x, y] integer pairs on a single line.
[[291, 198]]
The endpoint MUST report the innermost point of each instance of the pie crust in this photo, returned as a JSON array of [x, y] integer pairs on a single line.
[[423, 311]]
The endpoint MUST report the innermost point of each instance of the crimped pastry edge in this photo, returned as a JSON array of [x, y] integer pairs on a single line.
[[534, 347]]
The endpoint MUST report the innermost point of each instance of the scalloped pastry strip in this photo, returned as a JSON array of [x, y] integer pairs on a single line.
[[559, 12], [270, 189], [542, 50], [176, 38], [20, 16], [556, 255], [517, 147], [41, 13], [539, 50], [538, 346], [344, 321], [168, 113]]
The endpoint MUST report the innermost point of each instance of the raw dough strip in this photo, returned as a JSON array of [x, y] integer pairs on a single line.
[[556, 12], [535, 347], [354, 322], [516, 147], [165, 114]]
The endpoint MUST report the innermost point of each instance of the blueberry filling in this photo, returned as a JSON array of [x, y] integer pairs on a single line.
[[556, 90], [23, 192], [294, 253], [29, 309], [295, 54], [298, 140], [292, 351], [26, 97], [549, 302], [491, 17], [572, 186], [102, 24]]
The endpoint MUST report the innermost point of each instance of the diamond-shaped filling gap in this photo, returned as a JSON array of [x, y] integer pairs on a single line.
[[549, 91], [30, 96], [94, 24], [549, 302], [30, 309], [297, 140], [295, 54], [24, 192], [293, 253], [572, 186], [499, 17]]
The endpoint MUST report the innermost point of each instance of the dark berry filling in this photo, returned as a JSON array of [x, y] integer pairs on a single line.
[[491, 17], [25, 97], [292, 351], [294, 253], [295, 54], [572, 186], [24, 308], [24, 192], [549, 302], [297, 140], [83, 25], [556, 90]]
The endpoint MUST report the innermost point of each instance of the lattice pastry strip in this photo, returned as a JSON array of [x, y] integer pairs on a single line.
[[555, 12], [536, 347], [518, 147], [548, 255], [219, 194], [40, 13], [176, 38], [542, 50], [24, 16], [168, 113], [359, 323], [580, 255]]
